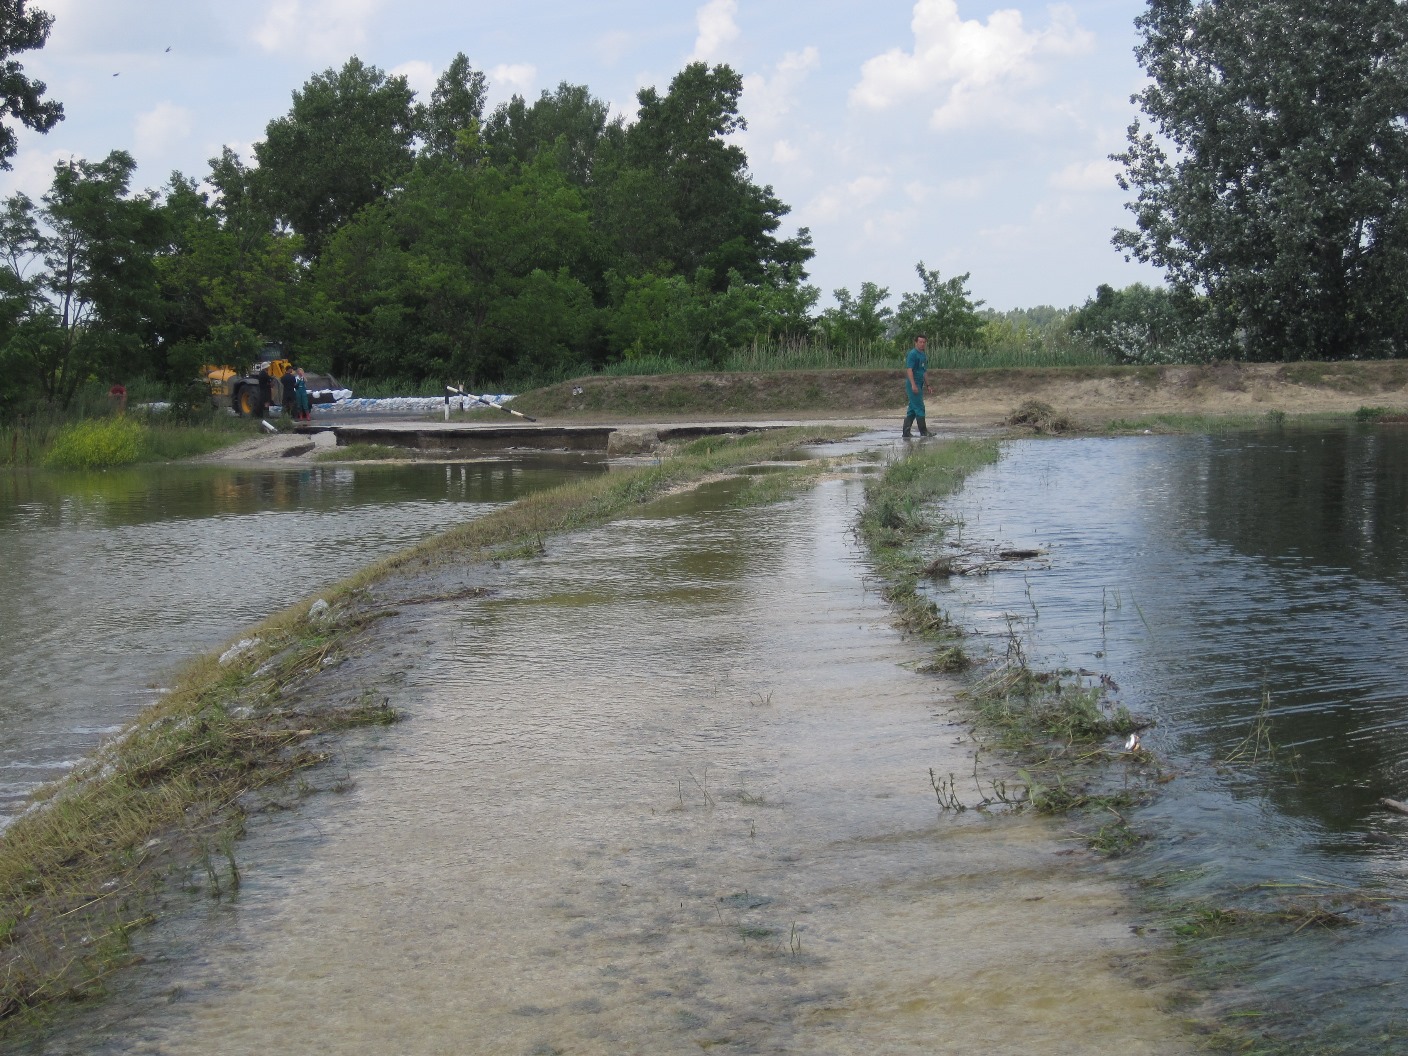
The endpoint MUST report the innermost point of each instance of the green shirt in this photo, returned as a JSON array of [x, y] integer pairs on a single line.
[[918, 362]]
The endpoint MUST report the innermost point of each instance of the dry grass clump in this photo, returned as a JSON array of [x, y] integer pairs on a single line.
[[1039, 417]]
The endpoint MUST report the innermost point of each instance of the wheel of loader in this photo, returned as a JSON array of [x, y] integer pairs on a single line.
[[247, 401]]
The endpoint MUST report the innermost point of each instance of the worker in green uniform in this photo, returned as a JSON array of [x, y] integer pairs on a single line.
[[300, 395], [916, 363]]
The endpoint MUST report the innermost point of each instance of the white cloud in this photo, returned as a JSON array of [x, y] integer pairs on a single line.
[[33, 172], [612, 46], [420, 75], [967, 64], [162, 128], [766, 100], [515, 78], [1086, 176], [917, 192], [317, 28], [891, 227], [784, 153], [965, 187], [834, 202], [717, 28]]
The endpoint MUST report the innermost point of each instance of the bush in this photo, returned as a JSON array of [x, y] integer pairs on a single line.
[[97, 443]]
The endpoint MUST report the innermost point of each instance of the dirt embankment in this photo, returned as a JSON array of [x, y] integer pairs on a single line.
[[1086, 397], [1085, 394]]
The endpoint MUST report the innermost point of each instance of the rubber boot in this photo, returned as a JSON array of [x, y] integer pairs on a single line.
[[908, 423], [923, 427]]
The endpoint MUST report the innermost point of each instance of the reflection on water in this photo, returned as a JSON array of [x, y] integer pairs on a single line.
[[665, 790], [110, 579], [1208, 575]]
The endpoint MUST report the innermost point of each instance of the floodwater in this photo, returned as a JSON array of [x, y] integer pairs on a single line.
[[663, 790], [111, 579], [1212, 577]]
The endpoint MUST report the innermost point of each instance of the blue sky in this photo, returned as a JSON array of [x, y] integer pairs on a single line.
[[968, 134]]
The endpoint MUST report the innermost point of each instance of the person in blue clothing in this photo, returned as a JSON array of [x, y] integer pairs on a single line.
[[916, 364]]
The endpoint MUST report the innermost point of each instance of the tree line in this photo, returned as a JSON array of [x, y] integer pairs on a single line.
[[381, 235]]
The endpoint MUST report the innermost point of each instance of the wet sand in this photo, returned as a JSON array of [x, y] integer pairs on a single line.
[[664, 789]]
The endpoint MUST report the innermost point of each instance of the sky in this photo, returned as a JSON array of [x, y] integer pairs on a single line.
[[970, 135]]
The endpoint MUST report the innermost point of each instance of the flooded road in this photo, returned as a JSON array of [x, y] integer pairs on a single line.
[[1251, 593], [111, 579], [664, 790]]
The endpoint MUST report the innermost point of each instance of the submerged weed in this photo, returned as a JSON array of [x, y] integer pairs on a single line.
[[1059, 727]]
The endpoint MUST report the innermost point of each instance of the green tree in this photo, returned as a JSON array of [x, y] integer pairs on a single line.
[[568, 123], [82, 266], [674, 194], [858, 320], [469, 273], [345, 143], [223, 271], [456, 106], [1276, 172], [941, 310], [21, 97], [694, 322], [1138, 324]]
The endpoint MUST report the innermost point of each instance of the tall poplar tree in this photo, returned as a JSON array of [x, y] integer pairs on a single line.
[[1273, 180]]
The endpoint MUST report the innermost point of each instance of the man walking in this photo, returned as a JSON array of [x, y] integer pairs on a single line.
[[916, 363]]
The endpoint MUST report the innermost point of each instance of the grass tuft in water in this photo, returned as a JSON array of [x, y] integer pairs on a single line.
[[89, 858], [1059, 729]]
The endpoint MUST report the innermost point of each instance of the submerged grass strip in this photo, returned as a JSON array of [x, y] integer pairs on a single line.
[[1060, 730], [87, 865], [1056, 726]]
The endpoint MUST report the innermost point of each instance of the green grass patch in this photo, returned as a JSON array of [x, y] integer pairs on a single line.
[[899, 517], [1179, 424], [806, 354], [169, 441], [1375, 415], [87, 865], [63, 442], [98, 443]]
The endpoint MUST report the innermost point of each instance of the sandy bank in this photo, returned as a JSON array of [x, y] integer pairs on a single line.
[[1091, 396]]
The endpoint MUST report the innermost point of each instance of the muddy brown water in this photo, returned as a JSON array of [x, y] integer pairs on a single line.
[[664, 790]]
